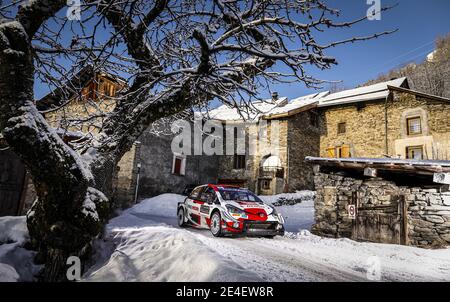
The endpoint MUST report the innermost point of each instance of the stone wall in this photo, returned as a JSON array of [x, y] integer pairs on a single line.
[[126, 178], [250, 174], [156, 159], [303, 141], [365, 129], [298, 138], [436, 125], [428, 211]]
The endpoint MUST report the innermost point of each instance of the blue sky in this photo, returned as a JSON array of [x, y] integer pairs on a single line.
[[419, 22]]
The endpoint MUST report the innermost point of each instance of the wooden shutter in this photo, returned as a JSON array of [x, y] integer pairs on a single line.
[[345, 151], [331, 152], [177, 166]]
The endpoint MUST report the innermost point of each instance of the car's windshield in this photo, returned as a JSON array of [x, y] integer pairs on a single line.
[[238, 194]]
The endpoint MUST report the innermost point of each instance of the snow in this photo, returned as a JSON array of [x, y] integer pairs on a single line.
[[265, 108], [145, 244], [8, 273], [13, 229], [147, 250], [162, 253], [297, 209], [15, 261], [89, 208], [269, 108], [298, 196], [366, 93]]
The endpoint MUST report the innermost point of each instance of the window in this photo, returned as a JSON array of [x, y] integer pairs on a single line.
[[208, 195], [229, 193], [341, 128], [179, 165], [265, 184], [196, 193], [314, 119], [239, 161], [414, 125], [415, 152]]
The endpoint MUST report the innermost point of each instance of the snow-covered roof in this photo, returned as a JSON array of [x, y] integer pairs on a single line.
[[296, 104], [367, 93], [264, 109], [270, 109], [430, 166]]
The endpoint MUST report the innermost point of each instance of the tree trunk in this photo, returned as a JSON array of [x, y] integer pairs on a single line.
[[69, 210]]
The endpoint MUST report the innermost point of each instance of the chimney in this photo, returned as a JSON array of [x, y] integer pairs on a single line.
[[274, 96]]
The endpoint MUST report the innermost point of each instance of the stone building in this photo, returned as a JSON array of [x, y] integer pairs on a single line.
[[163, 171], [383, 200], [281, 168], [385, 119]]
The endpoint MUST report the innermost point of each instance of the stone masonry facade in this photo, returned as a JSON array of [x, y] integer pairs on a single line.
[[378, 128], [427, 211], [298, 138]]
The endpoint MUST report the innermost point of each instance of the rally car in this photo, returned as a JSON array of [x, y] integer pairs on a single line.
[[229, 210]]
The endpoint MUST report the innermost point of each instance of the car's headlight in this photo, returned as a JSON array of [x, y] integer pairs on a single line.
[[233, 210]]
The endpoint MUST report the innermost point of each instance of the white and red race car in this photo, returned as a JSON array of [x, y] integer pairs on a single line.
[[229, 210]]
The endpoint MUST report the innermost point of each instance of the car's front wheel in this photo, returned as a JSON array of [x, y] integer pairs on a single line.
[[180, 217], [216, 225]]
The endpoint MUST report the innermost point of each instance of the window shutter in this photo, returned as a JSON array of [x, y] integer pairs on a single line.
[[345, 151], [331, 152]]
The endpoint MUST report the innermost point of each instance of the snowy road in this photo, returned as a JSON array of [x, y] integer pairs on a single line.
[[144, 243], [149, 246]]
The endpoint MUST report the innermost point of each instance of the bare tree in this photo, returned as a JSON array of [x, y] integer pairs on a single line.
[[430, 76], [174, 54]]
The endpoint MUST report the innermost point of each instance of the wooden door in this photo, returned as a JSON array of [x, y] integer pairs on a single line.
[[12, 176], [382, 223]]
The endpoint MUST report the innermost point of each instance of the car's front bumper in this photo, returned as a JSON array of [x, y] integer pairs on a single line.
[[256, 228]]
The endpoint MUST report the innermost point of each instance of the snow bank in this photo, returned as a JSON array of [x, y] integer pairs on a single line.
[[8, 273], [288, 198], [297, 209], [159, 210], [299, 216], [16, 263], [162, 253], [147, 249], [164, 205], [13, 229]]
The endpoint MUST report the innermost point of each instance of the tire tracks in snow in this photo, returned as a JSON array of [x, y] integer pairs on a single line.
[[273, 261]]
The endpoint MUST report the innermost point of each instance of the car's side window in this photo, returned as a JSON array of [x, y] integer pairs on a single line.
[[195, 194], [208, 195]]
